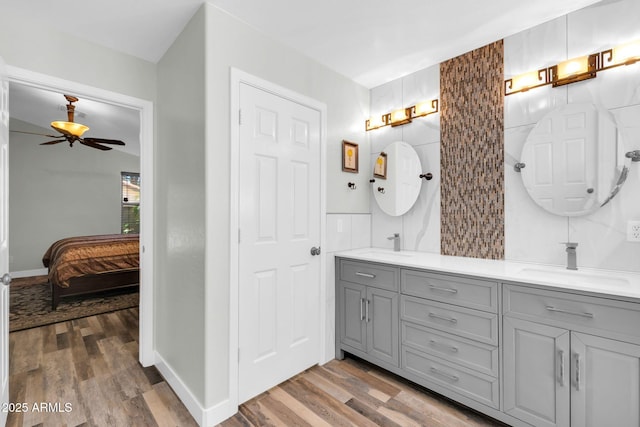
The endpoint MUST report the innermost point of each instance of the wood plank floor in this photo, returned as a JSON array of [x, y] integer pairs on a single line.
[[91, 364], [353, 393]]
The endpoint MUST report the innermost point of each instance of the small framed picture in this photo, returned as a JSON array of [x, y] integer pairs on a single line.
[[380, 168], [349, 157]]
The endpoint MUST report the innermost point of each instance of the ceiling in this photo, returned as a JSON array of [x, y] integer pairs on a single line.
[[369, 41]]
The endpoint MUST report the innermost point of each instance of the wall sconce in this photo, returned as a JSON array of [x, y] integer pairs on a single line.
[[575, 70], [403, 115]]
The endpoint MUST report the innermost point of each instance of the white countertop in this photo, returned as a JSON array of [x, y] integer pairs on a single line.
[[608, 282]]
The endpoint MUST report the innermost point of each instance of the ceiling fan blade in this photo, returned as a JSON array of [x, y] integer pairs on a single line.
[[33, 133], [105, 141], [53, 142], [93, 145]]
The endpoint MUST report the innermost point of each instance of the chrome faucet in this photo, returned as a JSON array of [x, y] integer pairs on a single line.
[[396, 241], [572, 262]]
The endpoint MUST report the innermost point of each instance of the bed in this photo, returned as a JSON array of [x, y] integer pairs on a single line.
[[88, 264]]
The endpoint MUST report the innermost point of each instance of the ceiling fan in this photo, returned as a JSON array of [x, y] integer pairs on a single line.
[[72, 132]]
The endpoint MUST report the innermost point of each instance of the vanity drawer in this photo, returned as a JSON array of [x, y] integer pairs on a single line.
[[473, 324], [379, 276], [467, 292], [474, 385], [474, 355], [600, 316]]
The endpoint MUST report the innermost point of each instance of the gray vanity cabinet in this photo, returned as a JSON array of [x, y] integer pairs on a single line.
[[368, 311], [558, 371]]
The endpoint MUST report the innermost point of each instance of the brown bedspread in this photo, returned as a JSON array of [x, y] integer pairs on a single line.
[[85, 255]]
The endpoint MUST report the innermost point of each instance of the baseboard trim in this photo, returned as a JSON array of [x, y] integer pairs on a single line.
[[205, 417], [29, 273]]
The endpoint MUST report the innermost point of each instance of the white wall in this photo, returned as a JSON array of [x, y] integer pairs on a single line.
[[58, 191], [420, 227], [532, 234], [29, 46], [180, 207], [231, 43]]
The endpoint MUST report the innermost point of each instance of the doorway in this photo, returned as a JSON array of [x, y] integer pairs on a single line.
[[145, 111]]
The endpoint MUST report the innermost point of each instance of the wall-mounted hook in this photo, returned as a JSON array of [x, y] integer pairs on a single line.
[[427, 176], [634, 155], [372, 181], [352, 185], [518, 167], [381, 190]]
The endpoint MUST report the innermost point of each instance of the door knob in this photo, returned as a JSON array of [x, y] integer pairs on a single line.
[[6, 279], [315, 251]]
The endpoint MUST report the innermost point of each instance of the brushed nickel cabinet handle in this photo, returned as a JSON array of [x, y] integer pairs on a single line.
[[448, 347], [444, 374], [448, 319], [361, 309], [573, 313], [577, 372], [368, 275], [561, 356], [436, 288]]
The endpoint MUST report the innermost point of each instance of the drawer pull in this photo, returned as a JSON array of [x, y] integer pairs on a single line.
[[561, 356], [444, 374], [449, 347], [370, 276], [448, 319], [574, 313], [435, 288]]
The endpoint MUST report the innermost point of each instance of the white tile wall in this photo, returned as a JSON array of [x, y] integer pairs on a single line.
[[420, 227], [344, 232]]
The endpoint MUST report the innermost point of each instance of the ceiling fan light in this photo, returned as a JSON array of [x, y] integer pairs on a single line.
[[75, 129]]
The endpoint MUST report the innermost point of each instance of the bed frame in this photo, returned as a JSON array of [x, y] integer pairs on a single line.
[[94, 283]]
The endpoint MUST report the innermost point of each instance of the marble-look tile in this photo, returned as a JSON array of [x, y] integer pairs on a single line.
[[338, 232], [598, 28], [423, 130], [384, 99], [421, 86], [421, 225], [330, 301], [360, 231], [529, 50], [531, 233], [602, 235]]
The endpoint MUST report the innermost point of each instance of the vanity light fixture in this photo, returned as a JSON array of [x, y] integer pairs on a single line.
[[403, 116], [575, 70]]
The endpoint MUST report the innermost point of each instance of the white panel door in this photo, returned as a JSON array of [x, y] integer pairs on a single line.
[[279, 202], [4, 241], [563, 150]]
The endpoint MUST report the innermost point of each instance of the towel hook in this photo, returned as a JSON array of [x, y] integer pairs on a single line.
[[428, 176], [352, 185]]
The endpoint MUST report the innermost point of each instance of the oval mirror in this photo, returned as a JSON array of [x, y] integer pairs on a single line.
[[397, 178], [574, 160]]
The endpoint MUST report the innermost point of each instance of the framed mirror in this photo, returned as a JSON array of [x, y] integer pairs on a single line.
[[397, 182], [573, 161]]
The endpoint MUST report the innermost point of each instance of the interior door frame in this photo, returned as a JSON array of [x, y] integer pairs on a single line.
[[43, 81], [238, 77]]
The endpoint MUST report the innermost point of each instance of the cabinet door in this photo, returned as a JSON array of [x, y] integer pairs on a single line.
[[536, 372], [605, 378], [351, 315], [383, 331]]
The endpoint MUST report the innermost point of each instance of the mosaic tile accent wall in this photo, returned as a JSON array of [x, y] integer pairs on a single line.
[[472, 154]]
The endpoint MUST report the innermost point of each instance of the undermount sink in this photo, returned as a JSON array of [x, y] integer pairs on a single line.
[[381, 253], [558, 275]]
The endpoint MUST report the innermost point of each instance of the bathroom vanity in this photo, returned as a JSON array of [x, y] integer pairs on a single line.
[[525, 344]]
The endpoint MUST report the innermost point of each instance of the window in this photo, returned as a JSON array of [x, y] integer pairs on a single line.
[[130, 203]]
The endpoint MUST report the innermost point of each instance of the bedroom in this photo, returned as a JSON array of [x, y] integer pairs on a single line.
[[58, 191]]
